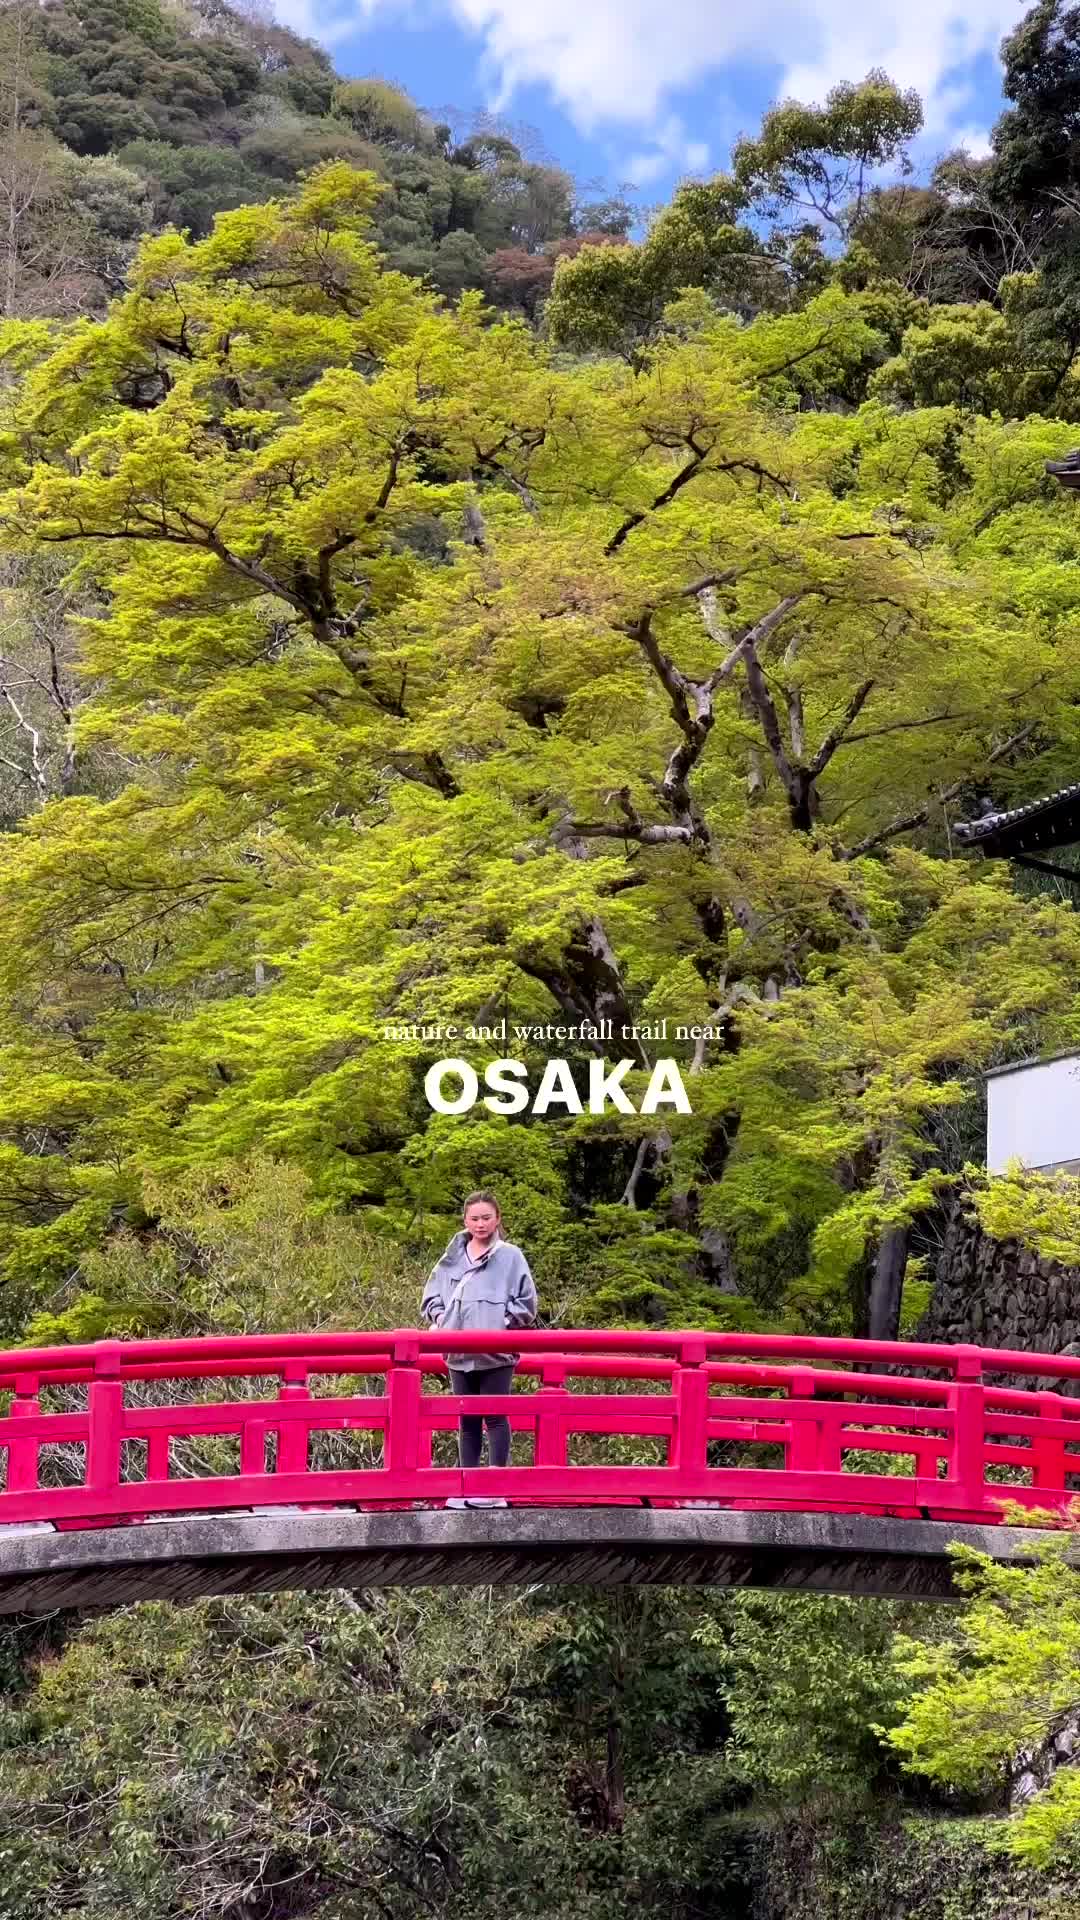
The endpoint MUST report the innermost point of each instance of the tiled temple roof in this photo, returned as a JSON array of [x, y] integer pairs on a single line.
[[1053, 821]]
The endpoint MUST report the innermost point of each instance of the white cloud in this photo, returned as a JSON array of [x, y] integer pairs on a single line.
[[669, 150], [327, 21], [612, 62], [974, 140]]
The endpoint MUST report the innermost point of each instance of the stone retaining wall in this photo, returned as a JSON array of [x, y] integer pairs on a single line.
[[996, 1293]]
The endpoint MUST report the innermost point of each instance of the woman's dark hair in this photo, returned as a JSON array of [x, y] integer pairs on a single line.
[[482, 1197]]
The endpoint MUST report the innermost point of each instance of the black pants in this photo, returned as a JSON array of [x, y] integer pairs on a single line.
[[471, 1442]]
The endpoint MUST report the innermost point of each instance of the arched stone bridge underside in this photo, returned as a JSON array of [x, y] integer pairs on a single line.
[[170, 1469], [186, 1559]]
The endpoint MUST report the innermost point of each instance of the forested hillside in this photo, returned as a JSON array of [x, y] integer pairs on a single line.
[[119, 115], [402, 625]]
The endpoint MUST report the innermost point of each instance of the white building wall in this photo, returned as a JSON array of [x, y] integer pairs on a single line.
[[1033, 1115]]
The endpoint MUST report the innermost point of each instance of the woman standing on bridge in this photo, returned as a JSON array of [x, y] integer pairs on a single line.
[[482, 1282]]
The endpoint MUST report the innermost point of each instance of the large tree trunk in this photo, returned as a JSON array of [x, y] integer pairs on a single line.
[[588, 986], [887, 1284], [614, 1781]]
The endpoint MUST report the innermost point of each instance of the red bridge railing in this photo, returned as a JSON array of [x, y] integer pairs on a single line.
[[121, 1432]]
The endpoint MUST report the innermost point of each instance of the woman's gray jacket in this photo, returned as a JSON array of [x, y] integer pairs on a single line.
[[498, 1291]]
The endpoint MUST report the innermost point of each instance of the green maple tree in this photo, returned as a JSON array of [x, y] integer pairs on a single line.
[[450, 681]]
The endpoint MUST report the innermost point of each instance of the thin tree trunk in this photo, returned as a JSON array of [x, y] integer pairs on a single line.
[[12, 237], [614, 1780]]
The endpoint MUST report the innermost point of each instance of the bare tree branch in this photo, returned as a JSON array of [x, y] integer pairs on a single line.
[[39, 774], [685, 474], [835, 737], [648, 834], [706, 585], [764, 705]]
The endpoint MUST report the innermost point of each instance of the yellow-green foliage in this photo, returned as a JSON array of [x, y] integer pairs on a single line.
[[1040, 1209], [995, 1686], [433, 674]]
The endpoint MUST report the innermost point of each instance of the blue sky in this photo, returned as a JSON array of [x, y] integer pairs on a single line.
[[647, 91]]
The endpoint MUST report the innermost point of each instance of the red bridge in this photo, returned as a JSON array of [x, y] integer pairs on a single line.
[[185, 1466]]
